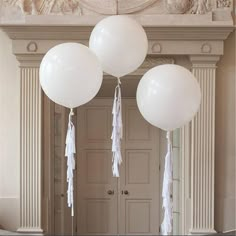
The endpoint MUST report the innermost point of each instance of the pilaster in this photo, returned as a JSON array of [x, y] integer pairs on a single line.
[[31, 145], [202, 148]]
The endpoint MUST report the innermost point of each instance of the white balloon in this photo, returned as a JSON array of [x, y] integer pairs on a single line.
[[70, 74], [168, 96], [120, 43]]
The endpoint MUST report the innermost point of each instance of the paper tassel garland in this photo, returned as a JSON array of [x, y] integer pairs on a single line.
[[117, 131], [69, 152], [166, 226]]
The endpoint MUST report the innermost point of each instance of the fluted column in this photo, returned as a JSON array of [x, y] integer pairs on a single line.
[[202, 148], [30, 156]]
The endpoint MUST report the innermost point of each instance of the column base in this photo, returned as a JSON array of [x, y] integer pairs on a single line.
[[201, 231], [32, 231]]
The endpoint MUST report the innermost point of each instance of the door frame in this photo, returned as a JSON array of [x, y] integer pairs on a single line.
[[48, 169]]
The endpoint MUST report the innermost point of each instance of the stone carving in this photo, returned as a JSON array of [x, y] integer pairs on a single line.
[[156, 48], [110, 7], [32, 47], [188, 6], [223, 3], [206, 48], [104, 7], [131, 6], [45, 7], [201, 7], [178, 6]]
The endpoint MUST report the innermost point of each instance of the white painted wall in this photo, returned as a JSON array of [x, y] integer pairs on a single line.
[[9, 136], [225, 139]]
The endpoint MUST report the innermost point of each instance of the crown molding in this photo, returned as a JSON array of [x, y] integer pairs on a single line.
[[167, 34], [30, 32]]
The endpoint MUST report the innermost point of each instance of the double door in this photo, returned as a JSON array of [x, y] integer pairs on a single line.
[[128, 205]]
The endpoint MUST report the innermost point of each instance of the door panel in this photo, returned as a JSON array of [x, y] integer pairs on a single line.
[[96, 190], [97, 215], [138, 216], [139, 181], [96, 161], [136, 128]]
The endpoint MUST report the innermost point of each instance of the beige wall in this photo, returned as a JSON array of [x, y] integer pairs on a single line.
[[225, 139], [9, 136], [10, 126]]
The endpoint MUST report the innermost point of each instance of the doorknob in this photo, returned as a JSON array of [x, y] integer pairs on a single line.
[[110, 192], [126, 192]]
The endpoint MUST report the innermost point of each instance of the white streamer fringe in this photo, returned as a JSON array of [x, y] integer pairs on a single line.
[[69, 152], [117, 131], [166, 226]]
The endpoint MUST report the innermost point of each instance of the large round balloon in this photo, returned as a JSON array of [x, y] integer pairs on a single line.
[[168, 96], [70, 74], [120, 43]]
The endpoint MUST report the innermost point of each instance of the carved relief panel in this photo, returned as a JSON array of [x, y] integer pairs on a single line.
[[111, 7]]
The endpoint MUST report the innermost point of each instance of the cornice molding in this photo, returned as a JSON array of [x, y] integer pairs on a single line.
[[30, 43], [173, 34], [30, 32]]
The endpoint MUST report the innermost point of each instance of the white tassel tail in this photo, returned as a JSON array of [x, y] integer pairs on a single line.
[[69, 152], [117, 131], [166, 226]]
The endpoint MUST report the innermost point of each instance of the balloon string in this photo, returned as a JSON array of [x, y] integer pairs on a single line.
[[72, 233], [118, 81], [71, 114]]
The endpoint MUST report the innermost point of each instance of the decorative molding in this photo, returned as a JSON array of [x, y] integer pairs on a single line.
[[206, 48], [203, 148], [30, 156], [32, 47], [156, 48], [82, 33]]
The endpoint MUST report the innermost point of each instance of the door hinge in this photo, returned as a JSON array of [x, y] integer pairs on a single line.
[[159, 167], [159, 229]]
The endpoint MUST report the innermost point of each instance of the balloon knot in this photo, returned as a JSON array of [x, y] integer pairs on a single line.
[[71, 112], [168, 134], [118, 81]]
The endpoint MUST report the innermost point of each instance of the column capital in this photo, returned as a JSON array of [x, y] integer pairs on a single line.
[[204, 61], [29, 60]]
